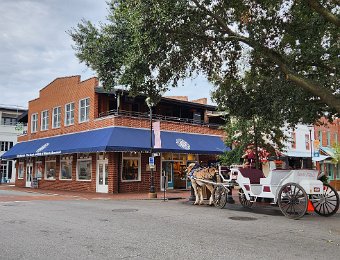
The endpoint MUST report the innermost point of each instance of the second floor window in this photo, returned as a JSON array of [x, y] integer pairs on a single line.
[[56, 117], [336, 139], [69, 114], [307, 142], [34, 123], [8, 121], [293, 140], [44, 120], [84, 109], [320, 137], [5, 146], [328, 138]]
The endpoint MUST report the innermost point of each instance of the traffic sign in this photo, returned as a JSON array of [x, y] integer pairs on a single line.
[[151, 162]]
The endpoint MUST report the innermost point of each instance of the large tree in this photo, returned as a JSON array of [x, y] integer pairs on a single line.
[[282, 54], [264, 139]]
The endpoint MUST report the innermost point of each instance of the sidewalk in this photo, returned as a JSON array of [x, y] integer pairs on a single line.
[[64, 195]]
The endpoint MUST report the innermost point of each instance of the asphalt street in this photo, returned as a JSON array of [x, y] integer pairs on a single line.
[[152, 229]]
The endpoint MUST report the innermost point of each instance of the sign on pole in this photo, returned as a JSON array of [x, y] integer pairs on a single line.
[[152, 162]]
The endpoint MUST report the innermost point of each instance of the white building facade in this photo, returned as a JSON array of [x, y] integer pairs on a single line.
[[299, 149], [9, 130]]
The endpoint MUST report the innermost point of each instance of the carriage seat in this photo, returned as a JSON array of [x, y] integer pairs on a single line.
[[254, 175]]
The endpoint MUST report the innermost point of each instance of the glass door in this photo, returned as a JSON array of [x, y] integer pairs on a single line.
[[102, 176], [29, 171], [168, 168]]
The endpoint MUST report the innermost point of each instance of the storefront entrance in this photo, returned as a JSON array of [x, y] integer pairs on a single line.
[[168, 170], [173, 165], [29, 171], [102, 176]]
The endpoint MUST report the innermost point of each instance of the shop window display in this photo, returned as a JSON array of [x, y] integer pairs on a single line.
[[66, 168], [50, 169], [84, 172], [21, 170], [131, 167], [38, 169]]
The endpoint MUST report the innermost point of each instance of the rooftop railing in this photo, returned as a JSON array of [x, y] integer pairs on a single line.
[[157, 117]]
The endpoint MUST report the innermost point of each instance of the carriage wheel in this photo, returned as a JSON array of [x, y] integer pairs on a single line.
[[243, 199], [220, 196], [326, 204], [293, 200]]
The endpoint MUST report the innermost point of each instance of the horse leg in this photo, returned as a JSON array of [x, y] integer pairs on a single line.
[[211, 189], [200, 192], [195, 187]]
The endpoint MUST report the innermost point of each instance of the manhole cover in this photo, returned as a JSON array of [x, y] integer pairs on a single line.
[[243, 218], [124, 210], [8, 205]]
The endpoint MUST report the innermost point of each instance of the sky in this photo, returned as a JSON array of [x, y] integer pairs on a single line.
[[35, 48]]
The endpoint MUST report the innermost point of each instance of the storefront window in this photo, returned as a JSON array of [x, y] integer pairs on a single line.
[[131, 167], [66, 169], [166, 156], [38, 169], [192, 157], [183, 157], [176, 156], [3, 169], [329, 169], [84, 169], [50, 169], [21, 170]]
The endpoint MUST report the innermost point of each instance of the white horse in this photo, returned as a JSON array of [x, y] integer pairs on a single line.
[[197, 175]]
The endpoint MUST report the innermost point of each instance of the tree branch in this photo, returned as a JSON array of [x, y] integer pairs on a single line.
[[317, 7], [325, 95]]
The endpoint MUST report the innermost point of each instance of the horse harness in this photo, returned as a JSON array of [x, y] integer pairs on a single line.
[[197, 168]]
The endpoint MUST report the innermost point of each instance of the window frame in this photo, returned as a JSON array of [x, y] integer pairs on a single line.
[[71, 111], [293, 144], [77, 170], [70, 160], [21, 164], [139, 158], [330, 171], [58, 115], [86, 109], [36, 169], [45, 170], [34, 123], [328, 138], [307, 142], [44, 121], [320, 137]]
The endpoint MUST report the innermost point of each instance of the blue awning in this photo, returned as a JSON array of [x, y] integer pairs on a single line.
[[116, 139], [191, 143]]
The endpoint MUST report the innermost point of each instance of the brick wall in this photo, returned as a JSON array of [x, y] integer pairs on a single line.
[[65, 90], [59, 93], [327, 127]]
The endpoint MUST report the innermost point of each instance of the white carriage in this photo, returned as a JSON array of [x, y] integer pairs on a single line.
[[291, 190]]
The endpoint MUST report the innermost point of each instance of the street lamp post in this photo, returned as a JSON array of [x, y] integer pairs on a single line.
[[152, 193], [310, 128]]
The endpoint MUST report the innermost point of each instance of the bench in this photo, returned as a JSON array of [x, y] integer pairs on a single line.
[[254, 175]]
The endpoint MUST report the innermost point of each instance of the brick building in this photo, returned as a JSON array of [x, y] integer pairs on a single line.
[[327, 135], [81, 137]]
